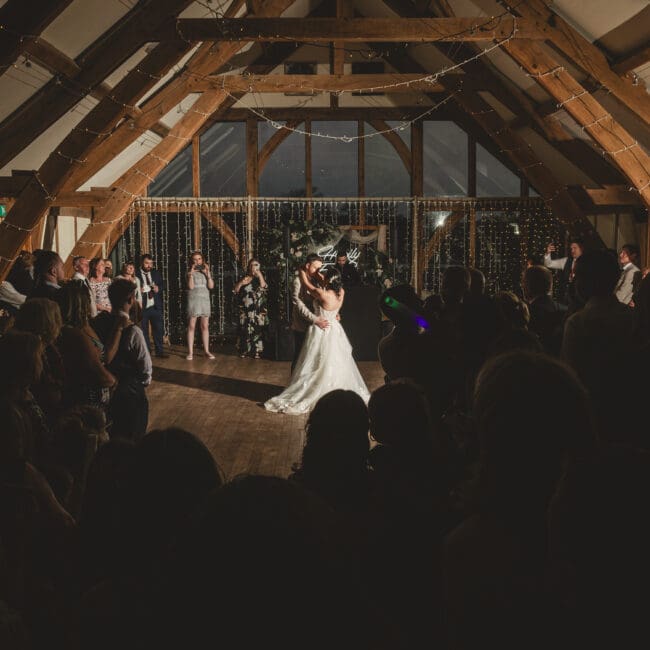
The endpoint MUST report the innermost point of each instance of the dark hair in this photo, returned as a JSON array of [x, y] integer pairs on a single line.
[[578, 240], [74, 302], [313, 257], [120, 291], [333, 279], [144, 257], [456, 282], [250, 263], [44, 263], [476, 282], [538, 281], [596, 274], [632, 250], [193, 253], [401, 305], [125, 264], [93, 266]]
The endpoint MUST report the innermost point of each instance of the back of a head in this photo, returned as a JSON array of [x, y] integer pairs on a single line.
[[400, 417], [337, 435], [74, 302], [44, 263], [401, 305], [42, 317], [537, 281], [119, 292], [596, 274], [20, 359], [456, 283], [477, 282], [512, 313], [523, 446]]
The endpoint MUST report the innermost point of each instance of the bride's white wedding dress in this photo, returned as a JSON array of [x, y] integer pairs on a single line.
[[325, 364]]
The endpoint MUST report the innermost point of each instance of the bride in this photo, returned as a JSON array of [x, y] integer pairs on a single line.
[[325, 362]]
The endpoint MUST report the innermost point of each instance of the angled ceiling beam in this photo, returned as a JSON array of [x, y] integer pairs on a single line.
[[325, 30], [110, 219], [572, 148], [586, 56], [42, 189], [612, 195], [619, 145], [636, 59], [20, 19], [322, 113], [106, 54]]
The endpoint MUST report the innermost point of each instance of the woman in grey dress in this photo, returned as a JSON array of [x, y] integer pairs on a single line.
[[199, 283]]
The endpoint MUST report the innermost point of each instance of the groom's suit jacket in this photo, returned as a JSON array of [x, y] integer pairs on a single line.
[[302, 315]]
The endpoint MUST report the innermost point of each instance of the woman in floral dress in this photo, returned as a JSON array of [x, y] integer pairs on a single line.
[[99, 284], [253, 317]]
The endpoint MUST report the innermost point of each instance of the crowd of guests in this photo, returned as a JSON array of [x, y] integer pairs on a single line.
[[491, 494]]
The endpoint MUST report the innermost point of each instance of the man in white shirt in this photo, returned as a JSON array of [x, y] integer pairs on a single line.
[[81, 266], [566, 265], [628, 257]]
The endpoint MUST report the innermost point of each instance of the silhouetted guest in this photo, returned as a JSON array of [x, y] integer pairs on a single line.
[[21, 275], [349, 273], [456, 282], [628, 258], [546, 315], [495, 562], [599, 340], [48, 275], [479, 322]]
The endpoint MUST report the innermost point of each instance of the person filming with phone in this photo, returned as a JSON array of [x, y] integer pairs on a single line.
[[251, 293], [199, 283]]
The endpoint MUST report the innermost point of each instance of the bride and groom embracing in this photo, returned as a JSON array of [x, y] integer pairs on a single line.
[[323, 360]]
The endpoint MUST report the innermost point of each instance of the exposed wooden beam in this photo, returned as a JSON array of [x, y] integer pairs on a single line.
[[344, 9], [621, 147], [252, 176], [283, 83], [613, 195], [41, 190], [364, 30], [20, 19], [96, 198], [107, 53], [586, 56], [274, 142], [636, 59]]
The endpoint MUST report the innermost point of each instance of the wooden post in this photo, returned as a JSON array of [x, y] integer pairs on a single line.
[[196, 189], [252, 184], [417, 190], [308, 169], [361, 172], [472, 236]]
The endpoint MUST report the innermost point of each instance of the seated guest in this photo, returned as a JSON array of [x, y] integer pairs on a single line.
[[628, 258], [87, 380], [81, 266], [21, 275], [48, 275], [10, 299], [546, 315], [349, 274], [99, 284], [129, 408]]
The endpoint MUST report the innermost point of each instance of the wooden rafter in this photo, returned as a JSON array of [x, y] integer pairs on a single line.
[[274, 142], [109, 219], [621, 147], [54, 99], [324, 30], [41, 190], [586, 56], [636, 59], [345, 114], [282, 83], [20, 19]]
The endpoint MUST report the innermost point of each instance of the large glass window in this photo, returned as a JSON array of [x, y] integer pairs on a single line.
[[334, 163], [223, 160], [493, 178], [176, 178], [284, 172], [385, 173], [445, 159]]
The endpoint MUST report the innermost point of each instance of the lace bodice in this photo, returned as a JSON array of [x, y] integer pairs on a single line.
[[330, 315]]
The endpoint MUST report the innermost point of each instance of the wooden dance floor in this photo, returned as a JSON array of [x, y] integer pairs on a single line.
[[220, 402]]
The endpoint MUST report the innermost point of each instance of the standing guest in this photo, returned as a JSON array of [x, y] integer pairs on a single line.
[[127, 272], [129, 408], [628, 257], [108, 268], [199, 283], [252, 291], [349, 274], [567, 265], [48, 275], [151, 283], [87, 380], [99, 284], [81, 266]]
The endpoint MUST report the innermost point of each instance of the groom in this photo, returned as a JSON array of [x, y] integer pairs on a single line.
[[302, 315]]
